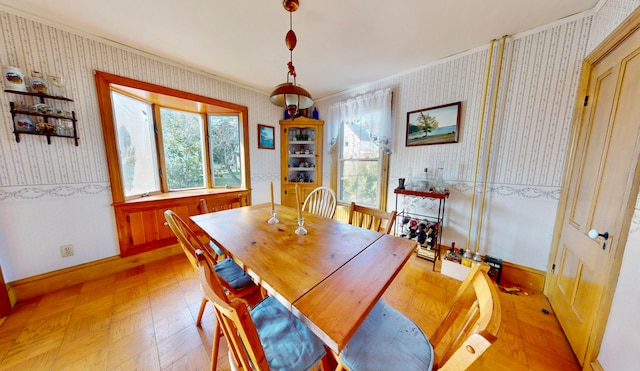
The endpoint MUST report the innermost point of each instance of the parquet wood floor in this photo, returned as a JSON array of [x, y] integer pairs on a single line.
[[144, 319]]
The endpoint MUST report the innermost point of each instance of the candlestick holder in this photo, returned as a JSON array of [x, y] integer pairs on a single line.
[[273, 219], [300, 229]]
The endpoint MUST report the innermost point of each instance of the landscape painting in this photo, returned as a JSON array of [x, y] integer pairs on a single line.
[[266, 137], [434, 125]]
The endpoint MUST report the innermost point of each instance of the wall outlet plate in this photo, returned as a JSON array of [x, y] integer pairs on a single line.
[[66, 251]]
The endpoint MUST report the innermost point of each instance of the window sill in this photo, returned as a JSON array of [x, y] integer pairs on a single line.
[[193, 193]]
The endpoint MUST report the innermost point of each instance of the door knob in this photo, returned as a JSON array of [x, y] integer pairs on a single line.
[[595, 234]]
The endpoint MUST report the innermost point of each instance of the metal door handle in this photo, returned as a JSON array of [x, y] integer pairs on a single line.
[[595, 234]]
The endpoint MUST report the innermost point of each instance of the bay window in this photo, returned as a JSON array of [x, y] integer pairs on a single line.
[[161, 140]]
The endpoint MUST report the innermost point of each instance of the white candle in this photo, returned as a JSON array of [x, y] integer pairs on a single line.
[[272, 205], [298, 202]]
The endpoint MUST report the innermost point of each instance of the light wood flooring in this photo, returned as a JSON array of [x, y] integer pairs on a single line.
[[144, 319]]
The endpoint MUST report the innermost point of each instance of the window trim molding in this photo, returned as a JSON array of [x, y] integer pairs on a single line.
[[104, 80]]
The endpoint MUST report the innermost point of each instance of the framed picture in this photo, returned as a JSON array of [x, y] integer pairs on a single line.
[[266, 137], [434, 125]]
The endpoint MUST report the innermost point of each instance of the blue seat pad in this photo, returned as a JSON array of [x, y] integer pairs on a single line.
[[216, 248], [388, 340], [232, 273], [288, 343]]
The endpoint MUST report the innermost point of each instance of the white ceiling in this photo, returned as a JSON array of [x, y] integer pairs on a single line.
[[341, 44]]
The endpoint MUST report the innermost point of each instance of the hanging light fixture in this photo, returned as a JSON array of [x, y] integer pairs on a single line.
[[289, 95]]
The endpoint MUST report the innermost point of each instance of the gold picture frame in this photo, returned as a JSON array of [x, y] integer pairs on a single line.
[[433, 125]]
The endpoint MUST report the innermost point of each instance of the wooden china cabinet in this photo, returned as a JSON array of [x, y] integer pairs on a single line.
[[301, 157]]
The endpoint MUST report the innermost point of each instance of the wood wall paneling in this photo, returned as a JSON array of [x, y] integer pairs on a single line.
[[141, 223]]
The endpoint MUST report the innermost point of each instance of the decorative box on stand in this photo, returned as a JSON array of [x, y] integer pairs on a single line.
[[454, 269], [495, 271]]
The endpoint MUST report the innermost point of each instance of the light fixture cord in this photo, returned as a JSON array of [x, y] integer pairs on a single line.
[[291, 50]]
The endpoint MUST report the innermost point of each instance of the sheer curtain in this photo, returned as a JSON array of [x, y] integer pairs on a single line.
[[374, 108]]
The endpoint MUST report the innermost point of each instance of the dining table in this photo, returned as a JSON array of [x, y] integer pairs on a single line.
[[330, 277]]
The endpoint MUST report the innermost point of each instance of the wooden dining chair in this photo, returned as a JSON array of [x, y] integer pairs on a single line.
[[321, 201], [204, 209], [266, 337], [222, 203], [236, 282], [388, 338], [370, 218]]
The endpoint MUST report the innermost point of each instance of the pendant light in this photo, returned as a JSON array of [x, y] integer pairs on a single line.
[[289, 95]]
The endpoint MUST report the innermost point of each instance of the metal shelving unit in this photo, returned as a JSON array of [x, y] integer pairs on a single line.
[[430, 248]]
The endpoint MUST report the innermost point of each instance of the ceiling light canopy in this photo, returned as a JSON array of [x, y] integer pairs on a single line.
[[289, 95]]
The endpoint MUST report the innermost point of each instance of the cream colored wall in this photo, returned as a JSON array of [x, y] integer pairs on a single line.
[[532, 126], [532, 122], [58, 194]]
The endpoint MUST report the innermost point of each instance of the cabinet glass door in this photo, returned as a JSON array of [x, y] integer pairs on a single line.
[[301, 155]]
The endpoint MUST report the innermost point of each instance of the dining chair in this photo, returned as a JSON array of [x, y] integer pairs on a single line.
[[204, 209], [370, 218], [388, 338], [222, 203], [321, 201], [236, 282], [266, 337]]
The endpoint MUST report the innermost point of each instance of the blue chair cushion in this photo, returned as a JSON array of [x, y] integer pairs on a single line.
[[288, 343], [388, 340], [232, 273], [216, 248]]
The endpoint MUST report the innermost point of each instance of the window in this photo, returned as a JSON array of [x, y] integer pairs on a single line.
[[359, 169], [361, 131], [225, 152], [136, 145], [160, 140], [183, 144]]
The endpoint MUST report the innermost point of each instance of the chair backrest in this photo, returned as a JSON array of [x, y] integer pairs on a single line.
[[204, 209], [188, 240], [222, 203], [370, 218], [471, 324], [321, 201], [234, 318]]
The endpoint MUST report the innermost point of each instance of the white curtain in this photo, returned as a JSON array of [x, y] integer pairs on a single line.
[[374, 108]]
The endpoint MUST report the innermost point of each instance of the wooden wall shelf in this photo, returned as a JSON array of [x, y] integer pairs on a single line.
[[48, 130]]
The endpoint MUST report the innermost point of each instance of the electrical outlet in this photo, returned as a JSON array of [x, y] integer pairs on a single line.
[[66, 250]]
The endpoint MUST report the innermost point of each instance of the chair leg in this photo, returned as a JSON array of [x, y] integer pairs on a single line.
[[328, 361], [335, 361], [201, 312], [217, 334], [232, 361]]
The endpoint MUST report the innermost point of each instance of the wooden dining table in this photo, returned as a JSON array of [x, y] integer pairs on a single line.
[[330, 278]]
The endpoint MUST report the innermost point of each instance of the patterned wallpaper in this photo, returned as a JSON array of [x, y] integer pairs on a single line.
[[59, 194], [31, 45], [532, 122], [535, 103], [534, 115], [609, 17], [531, 132]]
